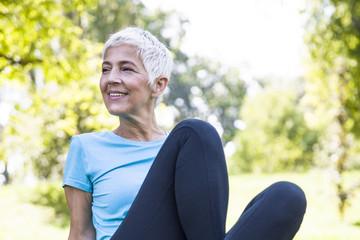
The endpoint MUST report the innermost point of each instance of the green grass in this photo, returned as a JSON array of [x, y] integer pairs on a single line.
[[321, 220], [19, 219]]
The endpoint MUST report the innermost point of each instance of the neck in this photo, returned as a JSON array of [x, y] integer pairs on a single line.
[[144, 129]]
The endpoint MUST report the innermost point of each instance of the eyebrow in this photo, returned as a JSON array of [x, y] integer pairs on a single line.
[[120, 62]]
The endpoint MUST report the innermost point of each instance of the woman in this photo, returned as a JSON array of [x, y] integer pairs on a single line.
[[139, 182]]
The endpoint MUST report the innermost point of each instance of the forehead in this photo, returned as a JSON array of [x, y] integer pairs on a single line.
[[121, 53]]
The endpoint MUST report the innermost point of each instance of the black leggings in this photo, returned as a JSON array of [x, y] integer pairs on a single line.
[[185, 196]]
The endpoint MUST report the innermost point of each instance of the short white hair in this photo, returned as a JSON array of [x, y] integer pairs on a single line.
[[154, 55]]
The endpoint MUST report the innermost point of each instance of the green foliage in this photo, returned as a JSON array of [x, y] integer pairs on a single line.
[[276, 138], [204, 89], [39, 34], [45, 57], [333, 39], [52, 195], [110, 16]]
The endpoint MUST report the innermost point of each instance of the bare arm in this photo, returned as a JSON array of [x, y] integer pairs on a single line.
[[79, 203]]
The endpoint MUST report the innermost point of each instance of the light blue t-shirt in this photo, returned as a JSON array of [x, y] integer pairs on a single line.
[[113, 169]]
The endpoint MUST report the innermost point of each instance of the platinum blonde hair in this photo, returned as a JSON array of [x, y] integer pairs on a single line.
[[154, 55]]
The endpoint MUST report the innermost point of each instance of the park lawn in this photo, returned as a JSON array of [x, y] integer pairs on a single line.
[[19, 219], [23, 220], [321, 220]]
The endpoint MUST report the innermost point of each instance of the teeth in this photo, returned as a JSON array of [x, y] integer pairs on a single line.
[[116, 94]]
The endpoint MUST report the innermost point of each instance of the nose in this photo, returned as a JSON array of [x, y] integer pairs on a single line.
[[114, 77]]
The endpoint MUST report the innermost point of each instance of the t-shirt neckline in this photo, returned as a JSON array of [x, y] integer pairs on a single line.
[[115, 136]]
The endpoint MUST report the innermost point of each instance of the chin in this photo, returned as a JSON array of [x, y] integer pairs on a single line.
[[115, 112]]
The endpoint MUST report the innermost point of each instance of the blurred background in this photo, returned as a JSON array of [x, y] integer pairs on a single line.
[[279, 80]]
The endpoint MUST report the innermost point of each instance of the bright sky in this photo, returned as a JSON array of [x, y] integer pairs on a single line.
[[263, 37]]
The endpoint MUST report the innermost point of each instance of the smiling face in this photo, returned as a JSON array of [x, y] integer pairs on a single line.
[[124, 82]]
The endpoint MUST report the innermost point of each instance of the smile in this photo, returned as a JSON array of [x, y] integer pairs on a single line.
[[117, 94]]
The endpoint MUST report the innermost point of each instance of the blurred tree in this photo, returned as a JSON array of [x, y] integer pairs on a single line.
[[276, 136], [41, 53], [204, 89], [333, 38]]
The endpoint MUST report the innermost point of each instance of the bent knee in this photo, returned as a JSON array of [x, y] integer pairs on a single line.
[[290, 194], [204, 131], [199, 126], [193, 123]]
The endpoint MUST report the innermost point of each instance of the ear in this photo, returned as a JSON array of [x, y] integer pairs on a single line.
[[159, 86]]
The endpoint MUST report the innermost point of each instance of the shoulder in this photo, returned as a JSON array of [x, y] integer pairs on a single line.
[[87, 141], [90, 137]]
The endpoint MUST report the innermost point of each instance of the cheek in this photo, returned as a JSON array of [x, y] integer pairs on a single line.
[[134, 86], [143, 84], [102, 84]]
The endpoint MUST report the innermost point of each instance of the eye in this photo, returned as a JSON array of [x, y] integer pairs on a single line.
[[126, 69], [104, 70]]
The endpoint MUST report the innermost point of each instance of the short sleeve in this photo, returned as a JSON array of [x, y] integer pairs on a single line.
[[75, 169]]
